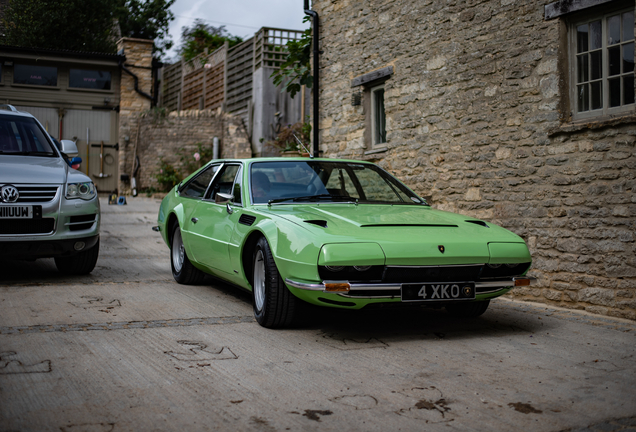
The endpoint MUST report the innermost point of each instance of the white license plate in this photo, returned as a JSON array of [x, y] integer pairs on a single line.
[[16, 212], [442, 291]]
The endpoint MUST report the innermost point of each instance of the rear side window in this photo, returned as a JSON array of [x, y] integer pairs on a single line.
[[197, 187]]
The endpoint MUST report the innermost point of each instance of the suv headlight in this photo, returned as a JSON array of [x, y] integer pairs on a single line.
[[84, 191]]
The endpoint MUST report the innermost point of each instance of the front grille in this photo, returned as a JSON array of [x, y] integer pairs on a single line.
[[26, 226], [82, 222], [36, 193], [432, 274]]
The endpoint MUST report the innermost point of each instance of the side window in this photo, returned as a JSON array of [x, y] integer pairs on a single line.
[[223, 182], [237, 188], [340, 183], [197, 187], [602, 55], [378, 117]]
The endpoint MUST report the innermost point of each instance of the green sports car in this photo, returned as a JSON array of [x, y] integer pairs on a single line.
[[336, 233]]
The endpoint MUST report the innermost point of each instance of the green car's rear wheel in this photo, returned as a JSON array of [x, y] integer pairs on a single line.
[[182, 269], [468, 310], [274, 305]]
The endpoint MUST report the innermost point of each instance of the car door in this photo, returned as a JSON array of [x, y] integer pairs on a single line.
[[190, 195], [215, 222]]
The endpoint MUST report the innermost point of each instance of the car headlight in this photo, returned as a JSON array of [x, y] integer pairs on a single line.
[[80, 190]]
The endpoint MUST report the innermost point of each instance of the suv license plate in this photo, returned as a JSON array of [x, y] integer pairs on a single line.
[[20, 212], [442, 291]]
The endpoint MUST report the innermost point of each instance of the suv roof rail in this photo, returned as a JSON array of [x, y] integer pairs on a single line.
[[8, 107]]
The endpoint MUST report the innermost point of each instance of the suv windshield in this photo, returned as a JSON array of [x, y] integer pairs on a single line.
[[23, 136], [322, 181]]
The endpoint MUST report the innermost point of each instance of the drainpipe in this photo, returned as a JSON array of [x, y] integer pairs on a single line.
[[316, 85], [129, 72]]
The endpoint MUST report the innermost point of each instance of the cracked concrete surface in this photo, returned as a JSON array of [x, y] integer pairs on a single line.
[[128, 349]]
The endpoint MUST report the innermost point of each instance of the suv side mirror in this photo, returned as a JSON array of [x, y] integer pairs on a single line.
[[69, 148]]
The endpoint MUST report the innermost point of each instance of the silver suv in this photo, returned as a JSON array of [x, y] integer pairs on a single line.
[[47, 209]]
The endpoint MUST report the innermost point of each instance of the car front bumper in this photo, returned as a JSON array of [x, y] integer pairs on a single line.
[[19, 250]]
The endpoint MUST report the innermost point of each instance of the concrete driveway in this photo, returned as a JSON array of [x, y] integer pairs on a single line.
[[128, 349]]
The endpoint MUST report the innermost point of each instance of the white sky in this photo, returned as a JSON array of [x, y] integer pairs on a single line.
[[240, 17]]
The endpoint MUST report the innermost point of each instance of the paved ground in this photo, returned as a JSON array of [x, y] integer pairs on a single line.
[[128, 349]]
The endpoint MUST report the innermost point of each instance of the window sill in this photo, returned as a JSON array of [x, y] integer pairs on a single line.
[[376, 150], [36, 86], [88, 90], [599, 123]]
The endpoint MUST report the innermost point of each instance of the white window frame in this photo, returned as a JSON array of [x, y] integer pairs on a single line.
[[605, 110], [374, 126]]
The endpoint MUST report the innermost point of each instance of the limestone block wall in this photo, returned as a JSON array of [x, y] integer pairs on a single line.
[[178, 134], [476, 123]]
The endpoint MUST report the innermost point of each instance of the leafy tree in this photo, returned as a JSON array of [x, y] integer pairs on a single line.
[[146, 19], [60, 24], [80, 26], [295, 71], [195, 39]]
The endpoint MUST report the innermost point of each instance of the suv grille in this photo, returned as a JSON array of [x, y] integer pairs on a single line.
[[27, 226], [36, 193]]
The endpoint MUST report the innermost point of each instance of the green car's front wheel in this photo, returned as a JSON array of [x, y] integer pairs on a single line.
[[274, 305], [182, 269]]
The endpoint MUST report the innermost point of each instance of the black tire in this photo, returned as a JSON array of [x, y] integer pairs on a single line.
[[274, 305], [79, 264], [182, 269], [468, 310]]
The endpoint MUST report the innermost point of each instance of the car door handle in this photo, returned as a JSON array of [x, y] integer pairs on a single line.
[[229, 209], [194, 220]]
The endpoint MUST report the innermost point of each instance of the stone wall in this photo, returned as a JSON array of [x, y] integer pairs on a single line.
[[475, 122], [175, 136], [132, 104]]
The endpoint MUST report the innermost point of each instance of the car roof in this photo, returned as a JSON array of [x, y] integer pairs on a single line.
[[288, 159], [11, 110]]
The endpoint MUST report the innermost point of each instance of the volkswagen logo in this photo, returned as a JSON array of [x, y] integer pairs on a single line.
[[9, 194]]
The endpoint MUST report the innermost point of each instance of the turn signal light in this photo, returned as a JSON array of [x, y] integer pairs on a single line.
[[337, 286], [522, 282]]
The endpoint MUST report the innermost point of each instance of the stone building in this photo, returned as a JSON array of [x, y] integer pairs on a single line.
[[519, 112]]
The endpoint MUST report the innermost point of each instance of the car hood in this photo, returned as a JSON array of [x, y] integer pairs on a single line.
[[406, 233], [32, 169]]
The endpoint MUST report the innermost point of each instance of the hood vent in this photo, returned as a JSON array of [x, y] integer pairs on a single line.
[[320, 223], [247, 219], [478, 222], [409, 225]]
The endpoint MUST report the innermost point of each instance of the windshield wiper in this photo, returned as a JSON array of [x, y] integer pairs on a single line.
[[311, 198]]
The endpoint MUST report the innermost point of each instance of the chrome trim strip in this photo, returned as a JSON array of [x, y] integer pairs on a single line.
[[397, 286], [434, 266]]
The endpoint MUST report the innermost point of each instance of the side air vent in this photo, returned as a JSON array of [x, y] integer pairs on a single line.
[[247, 219], [320, 223], [479, 222]]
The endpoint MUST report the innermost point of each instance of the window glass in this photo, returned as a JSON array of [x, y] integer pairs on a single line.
[[236, 192], [604, 65], [37, 75], [23, 136], [224, 181], [197, 187], [89, 79], [379, 116], [320, 181]]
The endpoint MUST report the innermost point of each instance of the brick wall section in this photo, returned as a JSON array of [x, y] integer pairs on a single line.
[[473, 122], [162, 137]]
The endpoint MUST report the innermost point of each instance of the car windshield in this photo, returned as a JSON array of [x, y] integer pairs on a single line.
[[23, 136], [324, 181]]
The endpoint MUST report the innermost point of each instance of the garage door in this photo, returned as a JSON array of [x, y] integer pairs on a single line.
[[95, 134]]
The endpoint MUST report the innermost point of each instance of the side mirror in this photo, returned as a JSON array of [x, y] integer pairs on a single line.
[[222, 198], [69, 148], [75, 162]]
